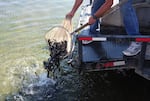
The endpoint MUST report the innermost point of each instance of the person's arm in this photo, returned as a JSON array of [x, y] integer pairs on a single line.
[[104, 8], [101, 11], [74, 9]]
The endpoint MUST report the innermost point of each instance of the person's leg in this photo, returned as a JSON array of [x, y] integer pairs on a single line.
[[93, 28], [96, 5], [132, 27], [130, 19]]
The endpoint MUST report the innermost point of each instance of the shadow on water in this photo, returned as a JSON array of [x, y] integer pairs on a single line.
[[104, 86], [115, 86], [111, 86]]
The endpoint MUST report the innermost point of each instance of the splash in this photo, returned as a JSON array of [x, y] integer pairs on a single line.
[[41, 89]]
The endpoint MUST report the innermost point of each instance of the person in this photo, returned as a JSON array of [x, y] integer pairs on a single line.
[[132, 27], [97, 11], [100, 7]]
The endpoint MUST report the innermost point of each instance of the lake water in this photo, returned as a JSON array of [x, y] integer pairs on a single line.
[[23, 49], [23, 24]]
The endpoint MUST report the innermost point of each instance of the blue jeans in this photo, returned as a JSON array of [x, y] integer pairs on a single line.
[[96, 5], [128, 13], [129, 18]]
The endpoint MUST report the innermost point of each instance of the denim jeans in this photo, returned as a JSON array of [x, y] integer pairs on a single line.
[[129, 18], [96, 5], [128, 13]]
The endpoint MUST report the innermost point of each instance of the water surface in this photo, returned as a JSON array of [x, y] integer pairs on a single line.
[[23, 24]]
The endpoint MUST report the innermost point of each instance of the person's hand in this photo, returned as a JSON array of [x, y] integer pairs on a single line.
[[69, 15], [91, 20]]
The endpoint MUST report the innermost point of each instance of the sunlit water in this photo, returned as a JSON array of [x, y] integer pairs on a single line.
[[23, 49], [23, 24]]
